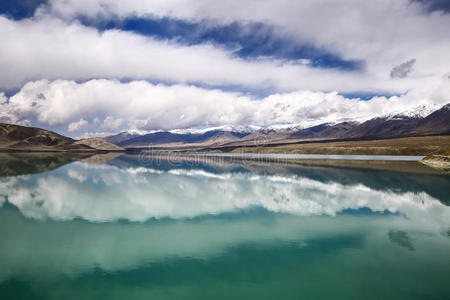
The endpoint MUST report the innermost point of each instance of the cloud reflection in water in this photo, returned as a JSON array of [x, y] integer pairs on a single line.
[[108, 193]]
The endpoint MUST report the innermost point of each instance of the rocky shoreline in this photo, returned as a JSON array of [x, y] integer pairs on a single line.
[[437, 161]]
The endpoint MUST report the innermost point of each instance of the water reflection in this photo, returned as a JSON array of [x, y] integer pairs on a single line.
[[102, 193], [401, 238], [13, 164], [115, 228]]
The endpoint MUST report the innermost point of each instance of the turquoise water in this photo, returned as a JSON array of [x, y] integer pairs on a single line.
[[173, 229]]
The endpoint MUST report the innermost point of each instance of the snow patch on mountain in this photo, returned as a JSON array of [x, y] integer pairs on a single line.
[[414, 113], [227, 128], [140, 132], [289, 126]]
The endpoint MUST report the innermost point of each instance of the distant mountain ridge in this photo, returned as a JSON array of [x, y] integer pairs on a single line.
[[209, 137], [121, 137], [99, 144], [419, 122]]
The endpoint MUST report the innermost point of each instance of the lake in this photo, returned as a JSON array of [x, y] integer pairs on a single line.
[[118, 226]]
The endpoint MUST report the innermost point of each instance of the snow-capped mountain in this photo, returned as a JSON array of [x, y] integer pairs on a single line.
[[421, 120], [288, 126], [414, 113], [225, 128]]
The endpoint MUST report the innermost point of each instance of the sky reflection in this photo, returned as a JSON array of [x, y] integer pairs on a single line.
[[104, 193]]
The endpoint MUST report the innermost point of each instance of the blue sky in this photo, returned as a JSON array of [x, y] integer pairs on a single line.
[[19, 9], [95, 67], [244, 40]]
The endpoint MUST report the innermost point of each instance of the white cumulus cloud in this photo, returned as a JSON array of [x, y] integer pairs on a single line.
[[382, 33], [50, 48], [145, 106], [82, 124]]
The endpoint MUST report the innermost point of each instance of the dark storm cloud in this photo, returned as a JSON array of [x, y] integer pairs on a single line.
[[435, 5], [404, 69]]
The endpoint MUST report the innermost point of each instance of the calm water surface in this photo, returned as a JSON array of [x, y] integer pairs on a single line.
[[123, 228]]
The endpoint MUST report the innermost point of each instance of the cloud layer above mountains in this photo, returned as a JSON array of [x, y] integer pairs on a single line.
[[64, 69], [108, 106]]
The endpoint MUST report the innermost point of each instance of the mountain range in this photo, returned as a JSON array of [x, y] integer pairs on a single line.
[[390, 126], [227, 138]]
